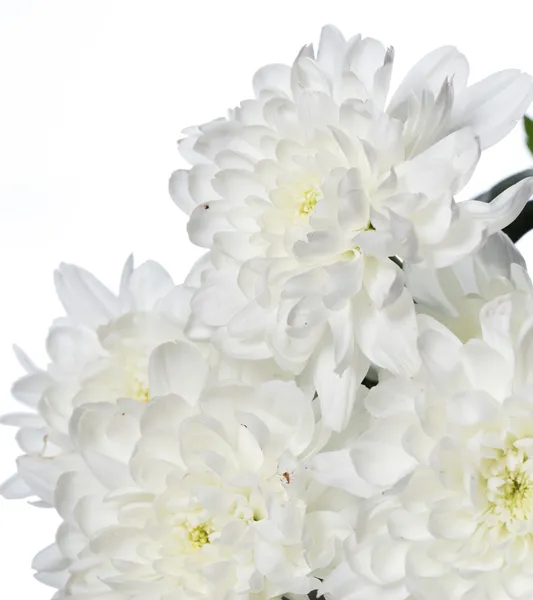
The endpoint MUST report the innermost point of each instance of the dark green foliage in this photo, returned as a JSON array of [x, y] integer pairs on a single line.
[[522, 224], [528, 125], [370, 383]]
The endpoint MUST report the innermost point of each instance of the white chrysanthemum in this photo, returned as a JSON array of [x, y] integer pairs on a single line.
[[450, 458], [99, 352], [305, 191], [200, 494]]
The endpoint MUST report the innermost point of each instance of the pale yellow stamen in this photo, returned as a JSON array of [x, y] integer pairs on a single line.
[[310, 198], [142, 392], [518, 494], [514, 499], [199, 535], [510, 487]]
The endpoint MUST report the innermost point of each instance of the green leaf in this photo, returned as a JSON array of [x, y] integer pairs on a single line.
[[528, 125], [522, 224]]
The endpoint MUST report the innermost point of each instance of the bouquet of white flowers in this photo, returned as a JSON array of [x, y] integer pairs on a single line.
[[338, 400]]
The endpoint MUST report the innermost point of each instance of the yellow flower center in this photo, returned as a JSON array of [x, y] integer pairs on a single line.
[[199, 535], [310, 197], [510, 487], [142, 392], [518, 494], [513, 500]]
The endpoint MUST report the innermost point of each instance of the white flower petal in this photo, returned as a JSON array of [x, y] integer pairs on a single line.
[[392, 397], [85, 298], [178, 187], [26, 419], [463, 237], [272, 78], [148, 284], [206, 220], [330, 49], [365, 58], [15, 487], [218, 300], [493, 106], [446, 165], [504, 209], [49, 559], [449, 525], [383, 282], [30, 389], [177, 368], [337, 393], [337, 469], [25, 361], [387, 336], [430, 73]]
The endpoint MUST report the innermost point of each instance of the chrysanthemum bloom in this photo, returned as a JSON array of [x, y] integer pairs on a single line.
[[450, 458], [305, 191], [203, 493], [98, 352]]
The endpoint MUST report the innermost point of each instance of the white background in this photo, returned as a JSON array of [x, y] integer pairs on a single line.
[[93, 95]]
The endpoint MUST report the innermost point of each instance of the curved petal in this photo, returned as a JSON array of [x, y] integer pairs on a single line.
[[177, 368], [337, 469], [493, 106], [178, 188], [148, 284], [15, 488], [430, 73], [383, 281], [218, 300], [504, 209], [331, 49], [84, 297], [206, 221], [387, 336], [275, 77], [365, 58], [446, 165], [337, 393]]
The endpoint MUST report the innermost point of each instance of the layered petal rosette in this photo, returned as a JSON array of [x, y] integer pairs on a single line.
[[216, 440], [99, 352], [305, 192], [205, 492], [449, 455]]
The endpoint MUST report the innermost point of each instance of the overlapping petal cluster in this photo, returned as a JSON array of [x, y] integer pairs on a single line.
[[451, 516], [204, 492], [304, 192], [99, 351], [214, 440]]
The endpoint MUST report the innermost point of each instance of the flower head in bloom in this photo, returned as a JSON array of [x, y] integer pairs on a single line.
[[306, 190], [98, 352], [450, 459], [203, 493]]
